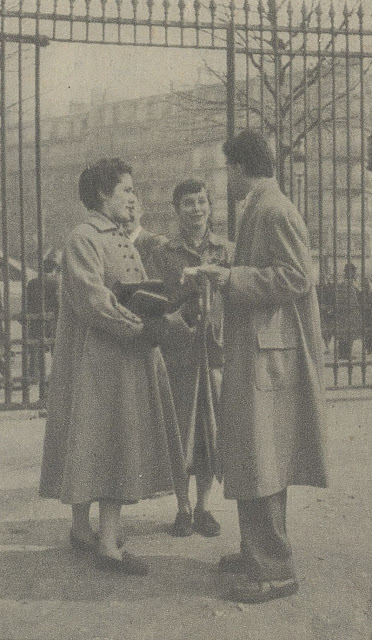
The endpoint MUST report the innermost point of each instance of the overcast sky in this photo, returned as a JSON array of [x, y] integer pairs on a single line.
[[73, 72]]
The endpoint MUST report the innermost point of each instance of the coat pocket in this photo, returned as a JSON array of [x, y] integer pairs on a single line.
[[276, 369]]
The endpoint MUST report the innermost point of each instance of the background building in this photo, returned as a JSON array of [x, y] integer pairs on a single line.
[[166, 139]]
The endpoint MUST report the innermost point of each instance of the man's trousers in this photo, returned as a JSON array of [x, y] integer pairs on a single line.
[[264, 543]]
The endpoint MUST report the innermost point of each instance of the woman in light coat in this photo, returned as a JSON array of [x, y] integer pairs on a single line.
[[109, 397]]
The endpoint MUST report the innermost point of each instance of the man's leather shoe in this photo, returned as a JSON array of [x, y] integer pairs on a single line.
[[256, 592], [206, 524]]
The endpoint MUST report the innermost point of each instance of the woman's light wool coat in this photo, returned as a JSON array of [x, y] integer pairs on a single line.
[[109, 395]]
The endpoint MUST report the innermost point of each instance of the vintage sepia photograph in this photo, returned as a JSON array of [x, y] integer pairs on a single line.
[[185, 319]]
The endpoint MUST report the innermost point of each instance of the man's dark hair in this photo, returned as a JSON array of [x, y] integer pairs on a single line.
[[101, 177], [252, 151], [188, 186]]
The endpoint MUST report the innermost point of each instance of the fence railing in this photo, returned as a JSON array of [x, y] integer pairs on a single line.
[[299, 72]]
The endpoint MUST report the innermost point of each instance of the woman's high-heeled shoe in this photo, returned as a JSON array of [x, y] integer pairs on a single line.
[[128, 564], [82, 546]]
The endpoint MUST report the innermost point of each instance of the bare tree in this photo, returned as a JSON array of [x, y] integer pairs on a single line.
[[294, 82]]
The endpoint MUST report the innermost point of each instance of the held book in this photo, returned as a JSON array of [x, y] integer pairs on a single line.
[[145, 299]]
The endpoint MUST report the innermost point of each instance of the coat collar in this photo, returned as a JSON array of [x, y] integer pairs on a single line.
[[179, 242], [135, 234], [101, 223], [263, 185]]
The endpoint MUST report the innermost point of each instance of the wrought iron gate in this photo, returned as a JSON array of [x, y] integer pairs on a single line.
[[300, 74]]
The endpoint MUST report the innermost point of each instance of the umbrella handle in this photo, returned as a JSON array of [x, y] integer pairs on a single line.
[[205, 301]]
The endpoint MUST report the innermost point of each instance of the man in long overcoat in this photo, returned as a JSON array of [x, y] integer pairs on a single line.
[[272, 432]]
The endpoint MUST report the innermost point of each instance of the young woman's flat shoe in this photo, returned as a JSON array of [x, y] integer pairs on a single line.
[[182, 526], [83, 546], [128, 564]]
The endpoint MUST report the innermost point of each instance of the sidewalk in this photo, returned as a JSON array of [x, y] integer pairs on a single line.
[[49, 594]]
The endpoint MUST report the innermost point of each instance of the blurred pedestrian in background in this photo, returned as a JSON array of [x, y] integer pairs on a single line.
[[349, 316], [34, 295]]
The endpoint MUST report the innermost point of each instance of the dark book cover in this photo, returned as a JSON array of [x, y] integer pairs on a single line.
[[145, 299]]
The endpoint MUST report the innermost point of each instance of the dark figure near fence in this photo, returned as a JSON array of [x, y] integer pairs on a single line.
[[51, 304], [326, 299], [365, 298], [349, 314], [1, 337]]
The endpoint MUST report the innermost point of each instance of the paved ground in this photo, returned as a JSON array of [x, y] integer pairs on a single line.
[[46, 593]]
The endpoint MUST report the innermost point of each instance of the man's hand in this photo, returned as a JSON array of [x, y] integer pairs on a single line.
[[218, 276]]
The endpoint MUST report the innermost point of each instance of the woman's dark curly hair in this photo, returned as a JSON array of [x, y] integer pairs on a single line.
[[101, 177]]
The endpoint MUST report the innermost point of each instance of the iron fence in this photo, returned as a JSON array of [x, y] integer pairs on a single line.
[[301, 73]]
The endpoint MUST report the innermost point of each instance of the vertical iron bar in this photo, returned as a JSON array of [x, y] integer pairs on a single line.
[[118, 6], [134, 6], [5, 263], [25, 379], [39, 213], [290, 74], [213, 9], [166, 5], [334, 195], [247, 75], [197, 6], [103, 8], [181, 7], [306, 107], [365, 293], [320, 159], [150, 6], [273, 11], [55, 5], [230, 116], [87, 19], [348, 181], [72, 2], [262, 57]]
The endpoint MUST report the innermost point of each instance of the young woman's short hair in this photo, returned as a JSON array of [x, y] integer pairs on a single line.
[[188, 186], [252, 151], [101, 177]]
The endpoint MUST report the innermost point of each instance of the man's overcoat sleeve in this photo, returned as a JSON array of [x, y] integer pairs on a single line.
[[286, 271]]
